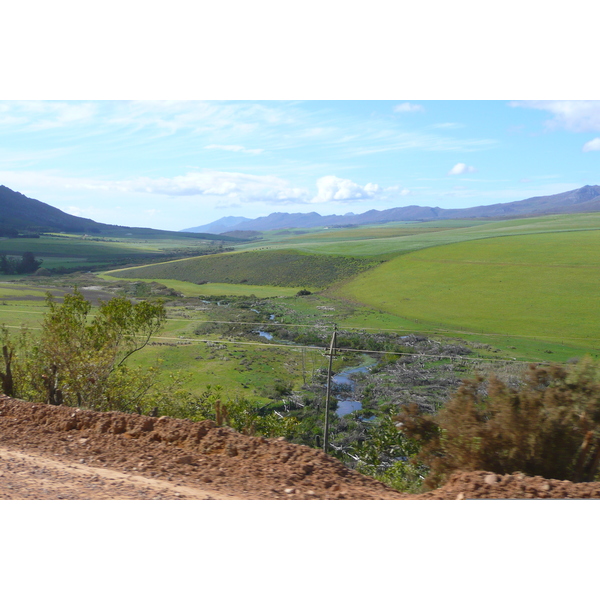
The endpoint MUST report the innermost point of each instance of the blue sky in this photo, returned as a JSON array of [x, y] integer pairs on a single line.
[[179, 164], [172, 117]]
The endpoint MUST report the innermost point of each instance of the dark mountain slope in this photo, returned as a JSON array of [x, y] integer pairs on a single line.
[[18, 213], [23, 213]]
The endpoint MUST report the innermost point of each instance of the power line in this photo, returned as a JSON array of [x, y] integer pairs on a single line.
[[190, 341]]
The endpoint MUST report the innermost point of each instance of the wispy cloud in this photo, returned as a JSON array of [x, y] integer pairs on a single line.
[[38, 115], [234, 148], [571, 115], [408, 107]]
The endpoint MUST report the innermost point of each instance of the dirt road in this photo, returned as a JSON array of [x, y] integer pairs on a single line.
[[56, 452]]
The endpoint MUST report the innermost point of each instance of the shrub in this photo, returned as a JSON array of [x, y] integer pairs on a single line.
[[549, 426]]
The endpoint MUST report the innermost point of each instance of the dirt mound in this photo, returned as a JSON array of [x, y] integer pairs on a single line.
[[483, 484], [206, 461], [200, 454]]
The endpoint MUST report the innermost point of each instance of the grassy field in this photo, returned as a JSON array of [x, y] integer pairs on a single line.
[[374, 243], [543, 286], [285, 268], [65, 250]]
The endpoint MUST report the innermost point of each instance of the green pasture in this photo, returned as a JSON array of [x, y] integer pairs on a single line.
[[544, 286]]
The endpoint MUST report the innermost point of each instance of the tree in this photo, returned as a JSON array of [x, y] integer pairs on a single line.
[[28, 263], [80, 358]]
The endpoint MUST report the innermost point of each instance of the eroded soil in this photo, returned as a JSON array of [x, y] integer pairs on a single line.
[[56, 452]]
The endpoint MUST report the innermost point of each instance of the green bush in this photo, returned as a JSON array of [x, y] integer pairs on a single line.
[[79, 359]]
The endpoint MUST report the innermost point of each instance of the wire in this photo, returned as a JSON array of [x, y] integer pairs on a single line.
[[325, 349]]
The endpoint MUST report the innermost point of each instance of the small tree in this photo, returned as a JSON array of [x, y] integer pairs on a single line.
[[80, 359]]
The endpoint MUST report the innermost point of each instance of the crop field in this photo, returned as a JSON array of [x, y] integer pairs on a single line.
[[368, 243], [543, 286], [65, 250], [272, 268]]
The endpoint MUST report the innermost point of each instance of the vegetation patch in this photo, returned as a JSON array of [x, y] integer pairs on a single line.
[[275, 268]]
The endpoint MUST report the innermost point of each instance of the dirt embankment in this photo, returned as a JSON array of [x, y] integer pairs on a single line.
[[55, 452]]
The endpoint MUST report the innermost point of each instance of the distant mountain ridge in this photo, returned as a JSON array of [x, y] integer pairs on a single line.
[[223, 224], [584, 199]]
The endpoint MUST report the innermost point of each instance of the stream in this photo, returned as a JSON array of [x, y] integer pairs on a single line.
[[345, 407]]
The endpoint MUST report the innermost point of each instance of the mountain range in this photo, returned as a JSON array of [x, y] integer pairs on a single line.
[[584, 199]]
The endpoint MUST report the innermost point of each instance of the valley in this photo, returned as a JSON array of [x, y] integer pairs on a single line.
[[421, 305]]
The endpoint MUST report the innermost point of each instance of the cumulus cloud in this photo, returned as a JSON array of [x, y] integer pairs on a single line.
[[234, 148], [408, 107], [592, 145], [460, 169], [572, 115]]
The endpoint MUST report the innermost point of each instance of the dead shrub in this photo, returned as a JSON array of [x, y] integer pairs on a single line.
[[549, 426]]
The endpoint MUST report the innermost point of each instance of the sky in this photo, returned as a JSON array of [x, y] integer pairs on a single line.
[[175, 118], [179, 164]]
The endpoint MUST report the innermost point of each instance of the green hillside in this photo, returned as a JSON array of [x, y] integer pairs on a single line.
[[545, 285], [288, 268]]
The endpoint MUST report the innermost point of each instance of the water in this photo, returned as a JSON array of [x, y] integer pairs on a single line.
[[265, 334], [345, 407]]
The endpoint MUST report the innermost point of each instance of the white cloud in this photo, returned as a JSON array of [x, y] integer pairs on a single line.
[[591, 145], [331, 188], [408, 107], [234, 148], [233, 186], [238, 186], [572, 115], [460, 168]]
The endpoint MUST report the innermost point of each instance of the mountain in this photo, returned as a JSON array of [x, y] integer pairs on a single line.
[[20, 214], [585, 199], [219, 226]]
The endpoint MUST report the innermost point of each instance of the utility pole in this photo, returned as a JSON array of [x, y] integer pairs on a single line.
[[331, 353]]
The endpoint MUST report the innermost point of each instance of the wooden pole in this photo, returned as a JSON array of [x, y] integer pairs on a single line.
[[331, 352]]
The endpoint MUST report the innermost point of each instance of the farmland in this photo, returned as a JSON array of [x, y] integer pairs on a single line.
[[72, 252], [270, 267], [519, 288], [423, 304]]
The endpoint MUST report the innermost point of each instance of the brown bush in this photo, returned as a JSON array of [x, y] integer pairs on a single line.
[[549, 425]]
